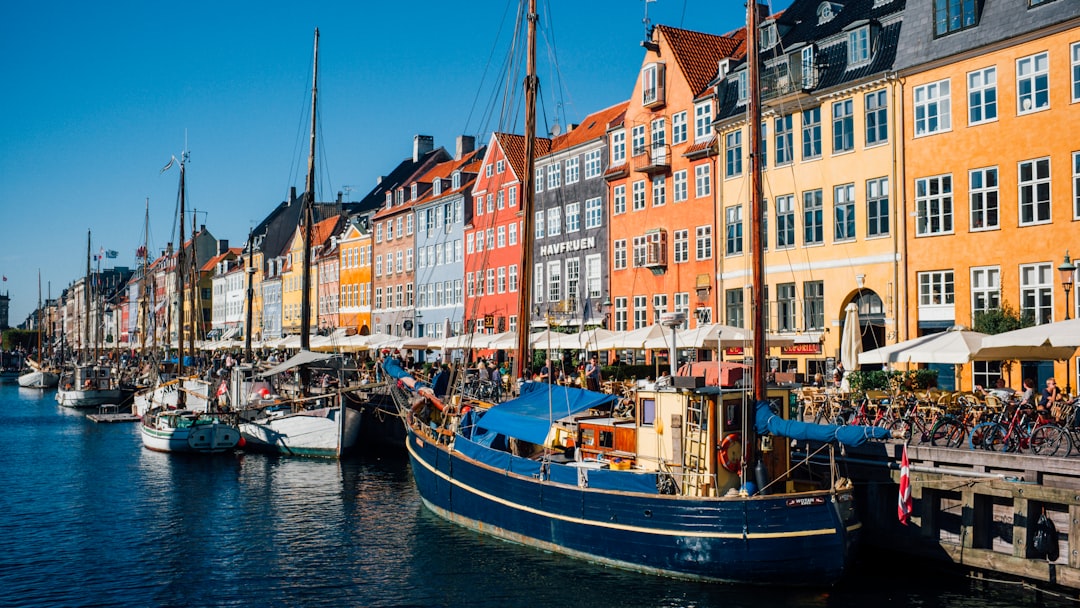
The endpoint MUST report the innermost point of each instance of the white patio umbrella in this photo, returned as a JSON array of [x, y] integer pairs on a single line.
[[1057, 341], [955, 346], [632, 339], [851, 338]]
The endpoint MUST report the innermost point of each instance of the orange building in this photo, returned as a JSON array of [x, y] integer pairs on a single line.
[[354, 310], [992, 169], [662, 191]]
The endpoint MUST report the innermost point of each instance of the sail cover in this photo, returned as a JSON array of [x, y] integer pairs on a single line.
[[530, 416], [766, 422], [303, 357]]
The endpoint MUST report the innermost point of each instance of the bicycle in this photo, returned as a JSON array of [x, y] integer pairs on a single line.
[[912, 426]]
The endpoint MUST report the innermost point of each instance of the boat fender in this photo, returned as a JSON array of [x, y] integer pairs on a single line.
[[729, 463]]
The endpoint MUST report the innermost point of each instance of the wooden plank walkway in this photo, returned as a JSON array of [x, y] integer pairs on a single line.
[[974, 508], [112, 413]]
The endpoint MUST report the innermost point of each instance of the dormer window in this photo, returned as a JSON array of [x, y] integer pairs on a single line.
[[436, 186], [401, 196], [722, 68], [768, 37], [455, 180], [807, 74], [741, 86], [413, 191], [859, 44], [652, 85], [954, 15], [827, 10], [389, 198]]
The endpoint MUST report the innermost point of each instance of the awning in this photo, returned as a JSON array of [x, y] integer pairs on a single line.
[[530, 416], [303, 357]]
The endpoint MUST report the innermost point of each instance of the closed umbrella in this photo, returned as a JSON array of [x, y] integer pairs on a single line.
[[851, 339]]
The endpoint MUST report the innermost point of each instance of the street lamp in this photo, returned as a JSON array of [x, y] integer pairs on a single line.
[[1066, 271]]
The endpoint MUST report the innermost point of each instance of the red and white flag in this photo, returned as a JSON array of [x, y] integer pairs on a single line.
[[224, 388], [903, 508]]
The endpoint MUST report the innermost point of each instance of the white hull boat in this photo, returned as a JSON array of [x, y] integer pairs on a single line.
[[187, 431]]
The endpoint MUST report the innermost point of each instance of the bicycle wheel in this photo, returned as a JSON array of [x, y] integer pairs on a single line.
[[1050, 440], [948, 433], [978, 435], [998, 439]]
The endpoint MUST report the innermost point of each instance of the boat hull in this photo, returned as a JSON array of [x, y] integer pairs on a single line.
[[794, 540], [306, 433], [209, 437], [39, 379], [88, 398]]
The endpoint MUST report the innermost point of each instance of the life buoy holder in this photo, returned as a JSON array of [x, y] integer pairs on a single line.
[[725, 456]]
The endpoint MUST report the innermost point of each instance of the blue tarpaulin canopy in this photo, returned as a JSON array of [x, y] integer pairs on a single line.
[[529, 417]]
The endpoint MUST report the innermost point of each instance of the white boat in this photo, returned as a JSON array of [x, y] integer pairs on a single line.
[[320, 425], [168, 430], [39, 378], [88, 386]]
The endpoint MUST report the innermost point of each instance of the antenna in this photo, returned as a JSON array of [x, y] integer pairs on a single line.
[[647, 21], [347, 189]]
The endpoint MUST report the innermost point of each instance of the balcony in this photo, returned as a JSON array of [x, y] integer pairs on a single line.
[[656, 251], [652, 159]]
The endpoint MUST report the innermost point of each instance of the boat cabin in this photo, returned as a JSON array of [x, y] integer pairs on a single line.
[[92, 378]]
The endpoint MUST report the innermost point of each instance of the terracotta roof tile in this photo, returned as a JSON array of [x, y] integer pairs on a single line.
[[514, 148], [594, 125], [698, 54]]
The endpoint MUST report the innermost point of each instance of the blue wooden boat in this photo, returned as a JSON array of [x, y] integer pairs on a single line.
[[683, 480]]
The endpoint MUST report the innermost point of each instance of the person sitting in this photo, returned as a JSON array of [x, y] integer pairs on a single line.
[[664, 379], [1027, 398], [1001, 391]]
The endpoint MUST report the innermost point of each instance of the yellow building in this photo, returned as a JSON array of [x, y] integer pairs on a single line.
[[992, 169], [830, 152]]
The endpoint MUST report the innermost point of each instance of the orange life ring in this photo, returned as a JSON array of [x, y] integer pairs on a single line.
[[724, 455]]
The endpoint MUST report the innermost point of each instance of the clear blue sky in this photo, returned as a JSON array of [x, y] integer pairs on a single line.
[[98, 97]]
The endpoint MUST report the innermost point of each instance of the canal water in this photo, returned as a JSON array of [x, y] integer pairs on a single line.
[[90, 518]]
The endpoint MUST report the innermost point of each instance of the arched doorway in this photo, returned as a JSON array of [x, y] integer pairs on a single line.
[[871, 321]]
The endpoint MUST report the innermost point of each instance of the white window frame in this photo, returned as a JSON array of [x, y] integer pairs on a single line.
[[678, 128], [618, 147], [594, 213], [703, 128], [1037, 291], [934, 207], [982, 96], [1033, 83], [703, 180], [573, 217], [932, 108], [618, 199], [936, 283], [680, 251], [984, 198], [1029, 192], [985, 289], [680, 186]]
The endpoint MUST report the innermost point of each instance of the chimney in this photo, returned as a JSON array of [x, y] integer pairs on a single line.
[[465, 144], [378, 180], [422, 144], [292, 194], [222, 246]]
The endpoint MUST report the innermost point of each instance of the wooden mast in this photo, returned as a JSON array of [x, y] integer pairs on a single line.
[[527, 197], [86, 302], [308, 213], [250, 270], [757, 249], [180, 278]]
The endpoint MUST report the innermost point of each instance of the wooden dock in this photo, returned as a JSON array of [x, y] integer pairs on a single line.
[[112, 413], [974, 508]]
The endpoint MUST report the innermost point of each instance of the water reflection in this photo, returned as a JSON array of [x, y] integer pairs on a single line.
[[93, 518]]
